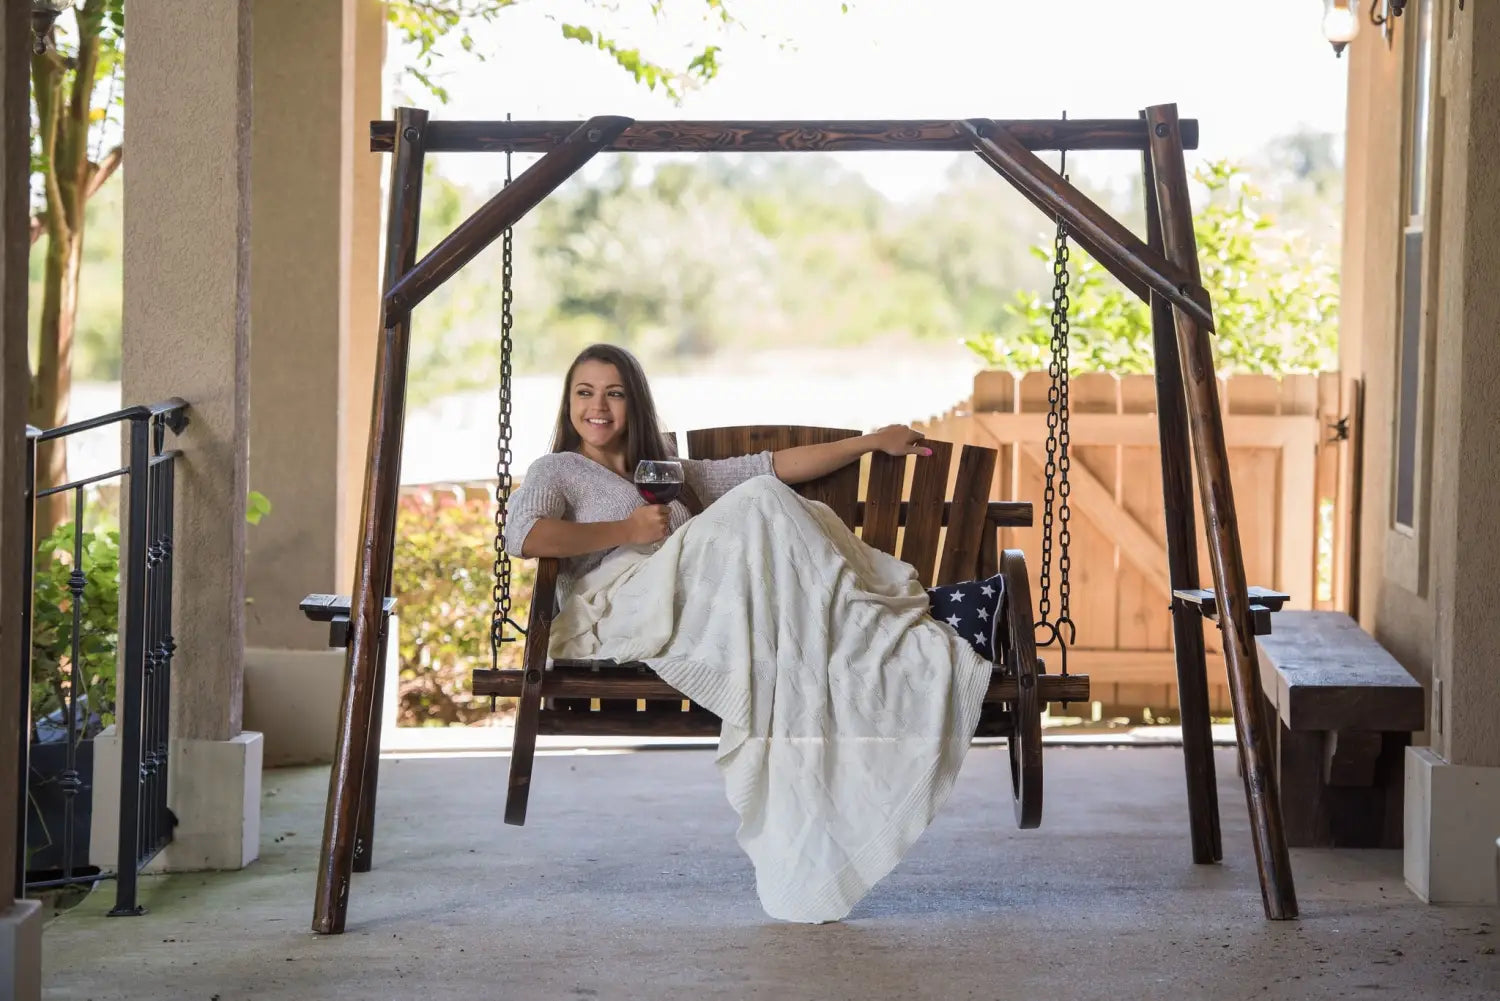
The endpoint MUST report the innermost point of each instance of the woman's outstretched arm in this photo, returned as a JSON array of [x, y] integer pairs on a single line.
[[560, 538], [808, 462]]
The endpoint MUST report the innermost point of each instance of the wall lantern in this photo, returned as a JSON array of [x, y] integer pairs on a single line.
[[43, 14], [1341, 20]]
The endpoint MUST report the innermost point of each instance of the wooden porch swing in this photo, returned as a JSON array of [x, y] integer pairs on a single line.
[[1162, 269]]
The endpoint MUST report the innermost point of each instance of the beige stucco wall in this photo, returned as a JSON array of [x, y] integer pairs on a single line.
[[1430, 599], [315, 245], [295, 240], [186, 319], [1466, 409]]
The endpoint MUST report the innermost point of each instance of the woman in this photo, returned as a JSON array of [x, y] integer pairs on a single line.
[[579, 502], [846, 707]]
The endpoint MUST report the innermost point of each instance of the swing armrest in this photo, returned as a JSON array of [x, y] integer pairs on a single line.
[[539, 620], [334, 609], [1263, 602]]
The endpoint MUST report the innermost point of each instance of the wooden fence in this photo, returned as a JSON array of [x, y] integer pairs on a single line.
[[1291, 470]]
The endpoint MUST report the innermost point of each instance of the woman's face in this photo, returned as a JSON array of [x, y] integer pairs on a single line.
[[597, 405]]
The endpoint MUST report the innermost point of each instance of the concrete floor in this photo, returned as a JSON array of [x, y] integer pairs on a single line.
[[626, 883]]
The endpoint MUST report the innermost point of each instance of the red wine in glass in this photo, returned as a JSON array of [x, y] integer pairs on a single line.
[[658, 481]]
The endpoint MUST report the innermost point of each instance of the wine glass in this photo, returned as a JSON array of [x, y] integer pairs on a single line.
[[658, 481]]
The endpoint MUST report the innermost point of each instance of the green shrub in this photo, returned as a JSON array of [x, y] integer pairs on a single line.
[[442, 581], [52, 625], [1275, 298]]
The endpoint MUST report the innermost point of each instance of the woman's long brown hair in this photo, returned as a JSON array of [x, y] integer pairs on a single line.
[[643, 437]]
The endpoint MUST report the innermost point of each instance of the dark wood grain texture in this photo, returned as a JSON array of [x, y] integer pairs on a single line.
[[839, 489], [528, 708], [929, 490], [994, 721], [939, 134], [969, 515], [605, 680], [989, 549], [1278, 894], [364, 828], [376, 547], [1182, 562], [880, 516], [504, 210], [1121, 273], [1108, 239]]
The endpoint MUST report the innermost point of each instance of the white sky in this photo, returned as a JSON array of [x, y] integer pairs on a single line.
[[1249, 70]]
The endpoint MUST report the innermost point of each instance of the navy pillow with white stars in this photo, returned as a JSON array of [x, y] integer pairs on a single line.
[[973, 608]]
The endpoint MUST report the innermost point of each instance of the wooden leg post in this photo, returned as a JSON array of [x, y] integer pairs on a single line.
[[523, 746], [1212, 455], [364, 831], [1182, 560], [377, 543]]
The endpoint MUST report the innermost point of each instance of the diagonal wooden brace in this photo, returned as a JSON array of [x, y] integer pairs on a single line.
[[1116, 247], [1122, 274], [500, 213]]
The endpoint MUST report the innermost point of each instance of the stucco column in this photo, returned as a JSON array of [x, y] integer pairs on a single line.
[[1453, 786], [315, 219], [20, 920], [187, 333]]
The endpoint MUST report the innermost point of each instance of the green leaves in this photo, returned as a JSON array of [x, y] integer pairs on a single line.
[[257, 506], [1275, 298], [52, 622], [442, 580], [428, 24]]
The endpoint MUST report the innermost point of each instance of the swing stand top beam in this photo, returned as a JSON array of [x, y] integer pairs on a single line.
[[1007, 146], [827, 136]]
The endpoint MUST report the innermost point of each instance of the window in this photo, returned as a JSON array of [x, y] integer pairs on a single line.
[[1409, 341]]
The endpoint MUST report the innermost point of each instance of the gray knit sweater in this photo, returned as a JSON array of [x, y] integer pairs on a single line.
[[571, 486]]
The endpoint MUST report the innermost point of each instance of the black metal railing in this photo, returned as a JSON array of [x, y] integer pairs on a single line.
[[141, 646]]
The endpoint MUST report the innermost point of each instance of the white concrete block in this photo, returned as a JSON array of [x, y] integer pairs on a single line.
[[294, 698], [104, 822], [21, 951], [214, 789], [1451, 828]]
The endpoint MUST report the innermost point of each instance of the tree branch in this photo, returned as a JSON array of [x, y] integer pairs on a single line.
[[101, 171]]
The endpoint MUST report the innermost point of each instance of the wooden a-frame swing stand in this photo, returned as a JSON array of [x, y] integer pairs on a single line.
[[1162, 269]]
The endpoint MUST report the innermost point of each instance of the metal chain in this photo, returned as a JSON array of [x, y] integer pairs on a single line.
[[1055, 507], [501, 587]]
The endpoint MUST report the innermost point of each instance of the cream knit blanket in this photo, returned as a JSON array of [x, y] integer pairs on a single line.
[[847, 710]]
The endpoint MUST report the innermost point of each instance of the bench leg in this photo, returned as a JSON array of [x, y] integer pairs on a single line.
[[1182, 561]]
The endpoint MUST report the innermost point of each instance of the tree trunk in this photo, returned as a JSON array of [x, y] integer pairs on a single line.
[[64, 133]]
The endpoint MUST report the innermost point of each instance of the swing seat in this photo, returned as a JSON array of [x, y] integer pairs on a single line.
[[947, 533]]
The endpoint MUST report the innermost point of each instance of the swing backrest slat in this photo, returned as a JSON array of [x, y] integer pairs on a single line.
[[882, 513], [924, 511], [839, 490], [963, 542], [907, 502]]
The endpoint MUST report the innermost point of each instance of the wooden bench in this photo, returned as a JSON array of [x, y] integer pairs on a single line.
[[1345, 711]]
